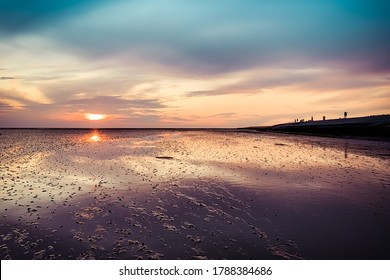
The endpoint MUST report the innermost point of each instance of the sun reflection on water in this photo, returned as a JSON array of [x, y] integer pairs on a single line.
[[95, 137]]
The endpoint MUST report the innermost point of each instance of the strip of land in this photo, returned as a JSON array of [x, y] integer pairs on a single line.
[[371, 126]]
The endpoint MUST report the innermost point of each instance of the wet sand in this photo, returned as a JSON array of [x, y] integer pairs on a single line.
[[154, 194]]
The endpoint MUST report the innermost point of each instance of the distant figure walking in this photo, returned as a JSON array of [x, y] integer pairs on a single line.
[[345, 115]]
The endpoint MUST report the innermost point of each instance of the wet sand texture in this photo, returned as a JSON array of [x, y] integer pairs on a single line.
[[124, 194]]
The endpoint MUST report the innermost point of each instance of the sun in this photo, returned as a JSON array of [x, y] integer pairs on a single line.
[[95, 117]]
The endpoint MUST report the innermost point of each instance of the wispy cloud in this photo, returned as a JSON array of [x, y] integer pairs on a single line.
[[5, 107], [7, 78], [307, 80], [226, 36], [181, 61], [110, 104]]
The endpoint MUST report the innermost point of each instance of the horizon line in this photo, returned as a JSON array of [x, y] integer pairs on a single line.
[[187, 128], [134, 128]]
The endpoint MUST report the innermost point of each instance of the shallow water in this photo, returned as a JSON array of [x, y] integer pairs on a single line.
[[155, 194]]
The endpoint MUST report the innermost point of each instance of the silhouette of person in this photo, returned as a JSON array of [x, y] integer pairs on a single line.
[[345, 115]]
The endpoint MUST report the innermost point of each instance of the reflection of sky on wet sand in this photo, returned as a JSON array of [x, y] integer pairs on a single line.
[[195, 194]]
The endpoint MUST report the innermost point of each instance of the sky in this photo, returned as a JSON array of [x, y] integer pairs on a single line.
[[194, 63]]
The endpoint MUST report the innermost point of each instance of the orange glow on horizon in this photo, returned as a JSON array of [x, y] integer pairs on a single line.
[[95, 117]]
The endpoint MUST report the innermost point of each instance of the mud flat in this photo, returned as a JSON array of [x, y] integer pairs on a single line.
[[145, 194]]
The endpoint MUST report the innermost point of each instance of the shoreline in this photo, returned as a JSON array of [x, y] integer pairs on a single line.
[[371, 128], [366, 128]]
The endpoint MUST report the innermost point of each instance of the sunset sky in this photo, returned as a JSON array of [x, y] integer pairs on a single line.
[[194, 63]]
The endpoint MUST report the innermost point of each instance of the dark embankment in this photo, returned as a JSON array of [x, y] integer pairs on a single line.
[[372, 126]]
